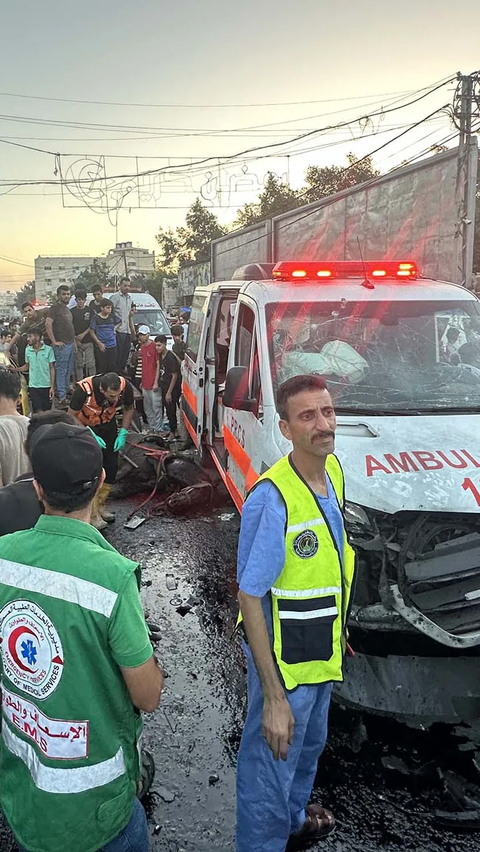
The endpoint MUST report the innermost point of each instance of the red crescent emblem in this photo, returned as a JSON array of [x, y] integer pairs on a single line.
[[12, 646]]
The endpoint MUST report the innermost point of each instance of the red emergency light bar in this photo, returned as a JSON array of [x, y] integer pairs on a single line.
[[288, 270]]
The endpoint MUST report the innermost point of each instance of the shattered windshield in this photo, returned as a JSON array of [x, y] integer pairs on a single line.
[[382, 356]]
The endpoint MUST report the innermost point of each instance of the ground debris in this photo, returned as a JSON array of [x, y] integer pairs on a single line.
[[186, 607], [171, 582], [165, 794]]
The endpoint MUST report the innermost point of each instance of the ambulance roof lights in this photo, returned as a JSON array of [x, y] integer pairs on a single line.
[[288, 270]]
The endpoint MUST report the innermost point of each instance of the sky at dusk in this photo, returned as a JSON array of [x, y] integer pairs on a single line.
[[217, 78]]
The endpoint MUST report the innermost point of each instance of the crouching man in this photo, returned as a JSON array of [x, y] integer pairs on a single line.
[[94, 403]]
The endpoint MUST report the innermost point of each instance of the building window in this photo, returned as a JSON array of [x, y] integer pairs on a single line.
[[61, 266], [48, 280], [62, 280], [47, 268], [132, 263], [76, 268]]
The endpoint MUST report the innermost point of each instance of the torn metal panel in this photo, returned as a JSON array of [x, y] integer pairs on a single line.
[[415, 690]]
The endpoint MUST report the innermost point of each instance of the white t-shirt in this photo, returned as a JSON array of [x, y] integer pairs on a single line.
[[13, 458]]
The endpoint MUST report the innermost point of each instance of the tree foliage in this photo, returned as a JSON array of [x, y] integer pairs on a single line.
[[97, 273], [188, 243], [277, 197], [26, 294], [322, 181]]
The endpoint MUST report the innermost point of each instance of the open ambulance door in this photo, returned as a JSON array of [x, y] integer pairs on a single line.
[[246, 422], [193, 369]]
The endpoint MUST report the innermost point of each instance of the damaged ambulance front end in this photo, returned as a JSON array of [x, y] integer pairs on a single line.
[[403, 369]]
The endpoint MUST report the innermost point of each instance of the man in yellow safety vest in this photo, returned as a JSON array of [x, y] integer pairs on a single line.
[[295, 574]]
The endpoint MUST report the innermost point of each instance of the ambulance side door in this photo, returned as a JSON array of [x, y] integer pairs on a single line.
[[244, 431], [193, 368]]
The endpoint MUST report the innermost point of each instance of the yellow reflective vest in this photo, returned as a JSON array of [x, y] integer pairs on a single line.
[[310, 599]]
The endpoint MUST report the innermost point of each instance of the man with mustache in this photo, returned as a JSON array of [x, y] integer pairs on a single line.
[[295, 574]]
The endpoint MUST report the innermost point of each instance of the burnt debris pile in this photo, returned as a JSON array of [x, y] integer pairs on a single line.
[[172, 481]]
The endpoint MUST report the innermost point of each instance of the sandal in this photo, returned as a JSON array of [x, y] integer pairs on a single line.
[[147, 774], [319, 823]]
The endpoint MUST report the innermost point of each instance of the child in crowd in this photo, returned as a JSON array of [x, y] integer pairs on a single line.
[[40, 366]]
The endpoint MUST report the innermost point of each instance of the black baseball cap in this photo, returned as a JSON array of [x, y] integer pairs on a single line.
[[65, 458]]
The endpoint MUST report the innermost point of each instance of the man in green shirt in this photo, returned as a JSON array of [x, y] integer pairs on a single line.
[[40, 366], [77, 663]]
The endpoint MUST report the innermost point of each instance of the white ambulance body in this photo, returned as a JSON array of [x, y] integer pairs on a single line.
[[401, 356]]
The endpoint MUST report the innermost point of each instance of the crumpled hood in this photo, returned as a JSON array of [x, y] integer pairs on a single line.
[[420, 463]]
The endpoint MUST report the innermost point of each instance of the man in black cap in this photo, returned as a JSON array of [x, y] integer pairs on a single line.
[[20, 507], [76, 664]]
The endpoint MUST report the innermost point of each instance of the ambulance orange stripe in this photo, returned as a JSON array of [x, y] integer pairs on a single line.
[[190, 397], [236, 495], [190, 428], [240, 458], [217, 463], [250, 478], [236, 451]]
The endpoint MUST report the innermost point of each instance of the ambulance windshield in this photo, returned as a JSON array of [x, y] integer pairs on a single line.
[[397, 357]]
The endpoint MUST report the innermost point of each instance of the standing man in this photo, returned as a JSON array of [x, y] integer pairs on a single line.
[[97, 293], [60, 330], [103, 330], [40, 366], [122, 305], [13, 430], [295, 573], [84, 354], [168, 379], [31, 317], [178, 347], [94, 403], [152, 395], [76, 664]]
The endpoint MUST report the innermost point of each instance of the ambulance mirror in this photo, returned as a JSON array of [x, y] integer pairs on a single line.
[[236, 390]]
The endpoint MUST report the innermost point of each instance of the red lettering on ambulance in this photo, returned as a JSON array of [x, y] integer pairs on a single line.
[[373, 464], [470, 458], [405, 462], [427, 460], [457, 455]]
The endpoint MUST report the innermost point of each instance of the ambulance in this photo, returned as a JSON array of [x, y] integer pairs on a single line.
[[401, 357]]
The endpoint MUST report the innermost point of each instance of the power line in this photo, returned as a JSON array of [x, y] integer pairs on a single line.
[[194, 106], [382, 112], [17, 262], [328, 203], [227, 158]]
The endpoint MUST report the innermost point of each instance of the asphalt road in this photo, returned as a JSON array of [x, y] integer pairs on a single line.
[[194, 735]]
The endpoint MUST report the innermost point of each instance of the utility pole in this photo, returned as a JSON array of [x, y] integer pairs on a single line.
[[466, 116]]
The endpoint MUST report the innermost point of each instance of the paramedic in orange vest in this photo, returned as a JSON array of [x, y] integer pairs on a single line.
[[94, 403]]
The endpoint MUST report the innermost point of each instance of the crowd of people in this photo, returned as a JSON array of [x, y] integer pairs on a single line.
[[77, 660], [78, 665], [75, 339]]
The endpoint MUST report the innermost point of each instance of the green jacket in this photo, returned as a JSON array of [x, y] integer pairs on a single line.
[[70, 616]]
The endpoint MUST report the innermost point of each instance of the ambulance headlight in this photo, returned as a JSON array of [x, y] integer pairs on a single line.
[[357, 518]]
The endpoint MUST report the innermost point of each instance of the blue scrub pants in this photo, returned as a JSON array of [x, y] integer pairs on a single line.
[[272, 794]]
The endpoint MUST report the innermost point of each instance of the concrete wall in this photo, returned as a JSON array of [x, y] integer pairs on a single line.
[[411, 213], [191, 276], [250, 245]]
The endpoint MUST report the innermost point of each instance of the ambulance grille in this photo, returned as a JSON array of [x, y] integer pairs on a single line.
[[444, 582]]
